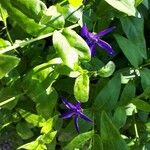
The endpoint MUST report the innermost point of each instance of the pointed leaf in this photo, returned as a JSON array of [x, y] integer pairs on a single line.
[[134, 29], [7, 63], [142, 105], [126, 6], [130, 50], [110, 135], [79, 140], [108, 96]]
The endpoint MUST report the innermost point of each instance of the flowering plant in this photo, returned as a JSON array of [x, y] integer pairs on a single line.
[[74, 74]]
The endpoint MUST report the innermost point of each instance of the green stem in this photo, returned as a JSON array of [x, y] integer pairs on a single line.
[[32, 40], [135, 127]]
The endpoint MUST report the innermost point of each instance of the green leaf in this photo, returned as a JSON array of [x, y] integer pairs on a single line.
[[79, 140], [24, 131], [127, 94], [126, 6], [130, 50], [134, 29], [4, 43], [78, 43], [3, 16], [33, 119], [48, 138], [22, 19], [107, 70], [31, 8], [145, 77], [110, 135], [7, 63], [47, 126], [81, 88], [53, 18], [70, 13], [32, 145], [97, 143], [137, 2], [119, 117], [140, 104], [9, 97], [108, 96], [65, 51]]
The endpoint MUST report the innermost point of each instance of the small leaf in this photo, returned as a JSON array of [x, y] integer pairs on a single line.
[[126, 6], [24, 131], [120, 117], [79, 140], [4, 43], [75, 3], [130, 50], [7, 63], [108, 96], [81, 88], [97, 143], [48, 138], [127, 94], [53, 18], [32, 145], [107, 70], [33, 119], [47, 126], [110, 135], [145, 77], [142, 105], [63, 48]]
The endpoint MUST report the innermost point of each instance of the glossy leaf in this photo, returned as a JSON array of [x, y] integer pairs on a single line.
[[79, 45], [33, 119], [126, 6], [7, 63], [107, 70], [81, 88], [75, 3], [65, 51]]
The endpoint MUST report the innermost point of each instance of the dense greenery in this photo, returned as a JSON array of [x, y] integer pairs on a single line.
[[44, 58]]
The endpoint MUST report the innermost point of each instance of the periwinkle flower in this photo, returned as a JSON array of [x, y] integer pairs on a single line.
[[75, 111], [95, 39]]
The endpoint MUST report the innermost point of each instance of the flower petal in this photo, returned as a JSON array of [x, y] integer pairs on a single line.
[[86, 118], [76, 123], [106, 46], [93, 49], [68, 104], [67, 115], [104, 32], [84, 31]]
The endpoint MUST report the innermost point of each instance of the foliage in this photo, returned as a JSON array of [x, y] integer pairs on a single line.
[[44, 57]]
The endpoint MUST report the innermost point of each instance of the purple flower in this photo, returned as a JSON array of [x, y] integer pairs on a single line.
[[75, 111], [95, 39]]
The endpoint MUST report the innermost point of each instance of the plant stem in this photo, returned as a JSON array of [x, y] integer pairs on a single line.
[[32, 40]]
